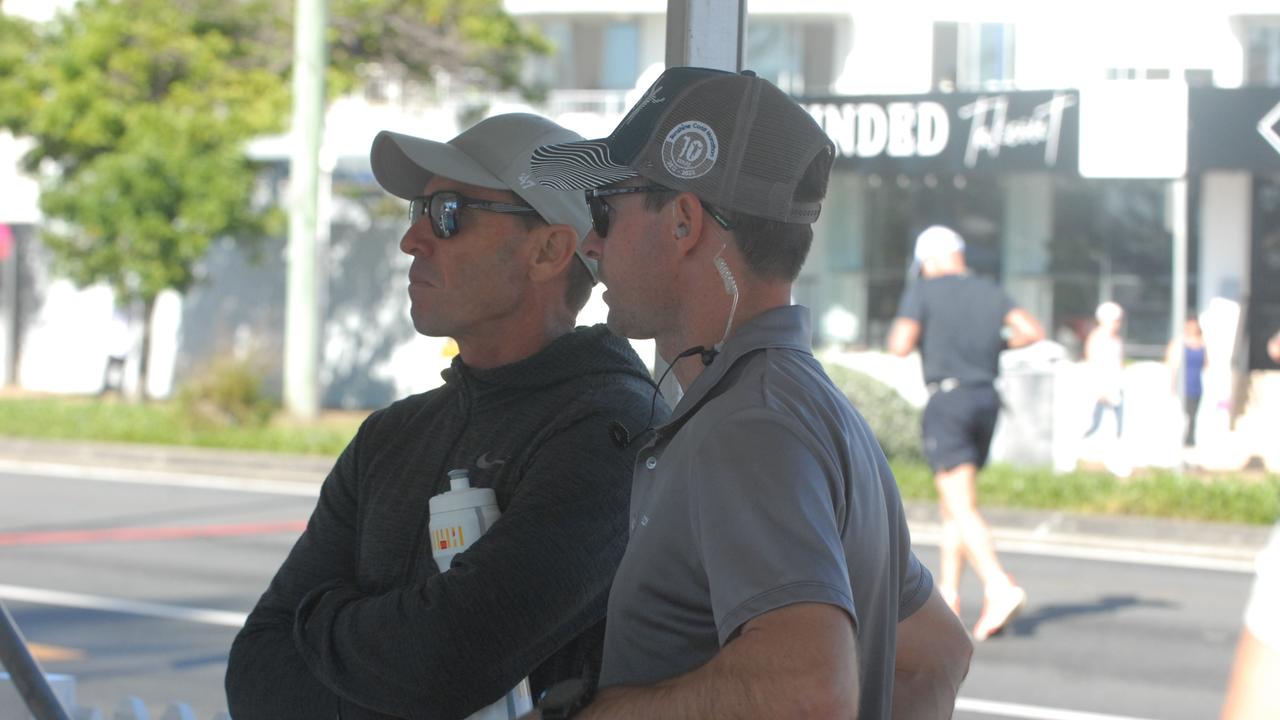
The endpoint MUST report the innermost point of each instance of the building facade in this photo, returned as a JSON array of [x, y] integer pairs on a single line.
[[1068, 148]]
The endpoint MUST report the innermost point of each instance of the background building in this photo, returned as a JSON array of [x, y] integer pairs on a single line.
[[1054, 141]]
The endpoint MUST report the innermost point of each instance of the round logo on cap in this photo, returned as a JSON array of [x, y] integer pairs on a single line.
[[690, 150]]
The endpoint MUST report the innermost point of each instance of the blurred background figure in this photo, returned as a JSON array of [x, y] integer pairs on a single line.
[[119, 345], [1253, 692], [962, 323], [1187, 359], [1273, 348], [1104, 362]]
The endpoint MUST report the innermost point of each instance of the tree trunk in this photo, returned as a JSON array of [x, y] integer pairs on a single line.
[[144, 365]]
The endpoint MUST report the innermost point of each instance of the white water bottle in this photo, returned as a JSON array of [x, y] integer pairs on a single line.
[[458, 518]]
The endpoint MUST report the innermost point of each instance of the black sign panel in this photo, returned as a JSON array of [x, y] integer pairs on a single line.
[[953, 133], [1234, 129]]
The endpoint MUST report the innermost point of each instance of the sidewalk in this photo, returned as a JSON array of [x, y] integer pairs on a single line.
[[1232, 544]]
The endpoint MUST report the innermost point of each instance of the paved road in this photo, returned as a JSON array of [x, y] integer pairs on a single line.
[[1118, 639]]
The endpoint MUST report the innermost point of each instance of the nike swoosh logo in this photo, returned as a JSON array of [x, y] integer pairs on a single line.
[[484, 462]]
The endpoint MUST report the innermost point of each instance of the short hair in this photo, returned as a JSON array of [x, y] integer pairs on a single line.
[[773, 250]]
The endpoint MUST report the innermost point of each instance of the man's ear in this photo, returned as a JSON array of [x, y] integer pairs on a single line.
[[686, 221], [552, 251]]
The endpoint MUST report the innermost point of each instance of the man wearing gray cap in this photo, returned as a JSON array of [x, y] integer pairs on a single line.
[[961, 323], [360, 622], [769, 571]]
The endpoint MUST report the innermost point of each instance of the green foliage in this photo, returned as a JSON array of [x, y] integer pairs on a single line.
[[161, 423], [1222, 497], [141, 112], [895, 421], [475, 41], [228, 392]]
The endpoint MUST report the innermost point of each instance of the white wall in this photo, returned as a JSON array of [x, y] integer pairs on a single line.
[[1225, 231]]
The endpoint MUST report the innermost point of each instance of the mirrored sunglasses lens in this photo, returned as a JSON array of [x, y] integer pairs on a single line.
[[444, 214]]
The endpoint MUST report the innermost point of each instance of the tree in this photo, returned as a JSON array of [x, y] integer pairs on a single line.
[[140, 110]]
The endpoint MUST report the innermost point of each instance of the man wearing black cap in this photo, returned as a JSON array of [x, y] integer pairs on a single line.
[[769, 571], [360, 622]]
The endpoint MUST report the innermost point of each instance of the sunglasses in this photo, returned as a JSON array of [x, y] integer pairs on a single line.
[[600, 209], [444, 208]]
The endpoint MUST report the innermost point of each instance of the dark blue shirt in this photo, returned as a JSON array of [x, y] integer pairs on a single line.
[[961, 326]]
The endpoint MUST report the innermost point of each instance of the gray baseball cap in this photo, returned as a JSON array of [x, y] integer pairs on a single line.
[[493, 153], [733, 139]]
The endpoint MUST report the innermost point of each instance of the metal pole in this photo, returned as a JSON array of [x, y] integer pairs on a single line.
[[9, 299], [302, 312], [25, 672], [697, 35]]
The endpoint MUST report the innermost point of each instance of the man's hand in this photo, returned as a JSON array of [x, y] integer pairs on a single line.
[[1024, 329]]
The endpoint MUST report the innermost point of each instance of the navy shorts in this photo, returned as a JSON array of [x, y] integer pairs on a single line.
[[958, 425]]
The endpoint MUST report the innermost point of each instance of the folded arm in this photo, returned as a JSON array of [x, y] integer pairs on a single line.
[[266, 676], [798, 661], [932, 659], [450, 644]]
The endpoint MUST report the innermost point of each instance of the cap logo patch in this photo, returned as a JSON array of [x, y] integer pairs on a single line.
[[690, 150]]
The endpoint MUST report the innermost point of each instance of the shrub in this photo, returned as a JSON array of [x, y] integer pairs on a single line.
[[895, 421], [227, 392]]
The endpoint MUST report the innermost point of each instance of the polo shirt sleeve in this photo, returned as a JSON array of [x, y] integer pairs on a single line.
[[911, 306], [766, 514]]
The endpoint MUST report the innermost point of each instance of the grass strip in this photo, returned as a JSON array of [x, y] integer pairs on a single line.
[[1226, 497]]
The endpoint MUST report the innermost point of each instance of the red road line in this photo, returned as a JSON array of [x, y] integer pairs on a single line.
[[136, 534]]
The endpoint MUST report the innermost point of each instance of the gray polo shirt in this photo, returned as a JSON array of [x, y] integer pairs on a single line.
[[766, 489]]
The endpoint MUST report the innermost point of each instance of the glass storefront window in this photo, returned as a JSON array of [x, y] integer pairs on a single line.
[[1110, 242], [1263, 318]]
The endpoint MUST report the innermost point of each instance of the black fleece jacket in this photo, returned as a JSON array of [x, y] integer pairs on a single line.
[[360, 623]]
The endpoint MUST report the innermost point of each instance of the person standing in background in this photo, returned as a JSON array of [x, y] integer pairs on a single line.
[[1187, 359], [1104, 361], [962, 323]]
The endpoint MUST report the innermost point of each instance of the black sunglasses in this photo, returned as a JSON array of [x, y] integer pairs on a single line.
[[600, 208], [444, 207]]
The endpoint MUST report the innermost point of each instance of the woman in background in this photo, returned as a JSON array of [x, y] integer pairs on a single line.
[[1187, 359], [1104, 358]]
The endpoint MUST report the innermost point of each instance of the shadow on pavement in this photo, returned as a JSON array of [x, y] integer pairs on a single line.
[[1027, 623]]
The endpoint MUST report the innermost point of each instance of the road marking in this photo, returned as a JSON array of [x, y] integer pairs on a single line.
[[160, 477], [1076, 547], [204, 616], [1032, 712], [54, 653], [1039, 541], [136, 534]]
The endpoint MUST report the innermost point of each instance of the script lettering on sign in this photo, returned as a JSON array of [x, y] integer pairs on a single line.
[[991, 128]]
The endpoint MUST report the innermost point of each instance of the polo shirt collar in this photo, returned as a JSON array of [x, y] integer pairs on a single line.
[[780, 327]]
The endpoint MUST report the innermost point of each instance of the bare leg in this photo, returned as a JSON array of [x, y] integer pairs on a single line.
[[951, 550], [957, 492]]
